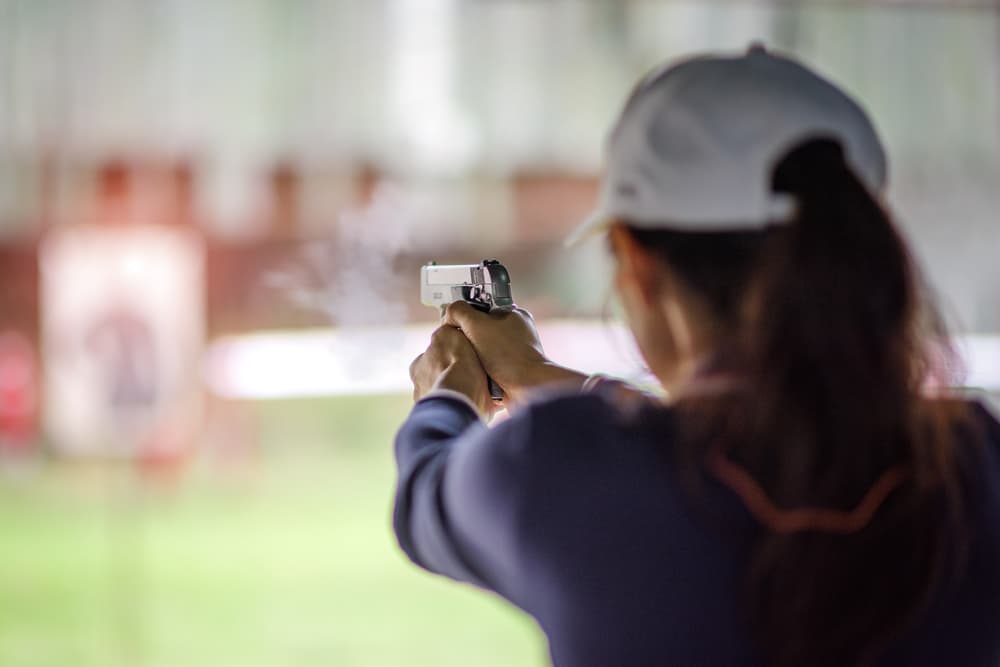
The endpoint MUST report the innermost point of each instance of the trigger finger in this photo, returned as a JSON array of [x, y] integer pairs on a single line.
[[458, 313]]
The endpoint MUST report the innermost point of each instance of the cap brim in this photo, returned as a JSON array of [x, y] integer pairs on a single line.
[[596, 223]]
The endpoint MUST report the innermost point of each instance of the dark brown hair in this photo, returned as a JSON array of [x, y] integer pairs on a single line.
[[829, 327]]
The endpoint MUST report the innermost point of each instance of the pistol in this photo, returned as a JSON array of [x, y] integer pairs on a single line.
[[484, 286]]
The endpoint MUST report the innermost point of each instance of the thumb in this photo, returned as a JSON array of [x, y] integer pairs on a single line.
[[462, 315]]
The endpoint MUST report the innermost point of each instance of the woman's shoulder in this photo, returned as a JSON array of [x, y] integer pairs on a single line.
[[978, 436], [612, 422], [603, 404], [986, 417], [973, 424]]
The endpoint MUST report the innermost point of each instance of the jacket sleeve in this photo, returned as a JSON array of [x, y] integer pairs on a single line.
[[459, 493]]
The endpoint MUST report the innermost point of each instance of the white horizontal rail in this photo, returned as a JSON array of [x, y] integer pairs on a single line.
[[375, 360]]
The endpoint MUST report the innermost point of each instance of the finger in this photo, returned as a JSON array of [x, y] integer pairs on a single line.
[[462, 315], [450, 343], [445, 334], [525, 312], [413, 367]]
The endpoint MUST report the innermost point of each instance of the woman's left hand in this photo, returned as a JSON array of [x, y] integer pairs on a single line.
[[450, 362]]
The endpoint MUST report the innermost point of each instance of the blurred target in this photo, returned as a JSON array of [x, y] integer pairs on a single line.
[[122, 320]]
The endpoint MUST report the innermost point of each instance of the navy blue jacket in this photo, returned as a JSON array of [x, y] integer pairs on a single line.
[[582, 524]]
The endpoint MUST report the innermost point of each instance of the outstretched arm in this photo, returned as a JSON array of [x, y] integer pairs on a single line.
[[462, 493], [458, 489], [420, 519]]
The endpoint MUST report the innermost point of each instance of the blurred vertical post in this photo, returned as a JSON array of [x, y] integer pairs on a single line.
[[122, 334], [432, 131]]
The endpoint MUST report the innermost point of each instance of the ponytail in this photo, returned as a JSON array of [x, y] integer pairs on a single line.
[[835, 286], [834, 451], [837, 422]]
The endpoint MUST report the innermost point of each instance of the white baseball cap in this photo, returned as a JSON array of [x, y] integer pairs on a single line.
[[695, 145]]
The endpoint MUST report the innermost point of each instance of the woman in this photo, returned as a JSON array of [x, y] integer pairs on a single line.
[[799, 498]]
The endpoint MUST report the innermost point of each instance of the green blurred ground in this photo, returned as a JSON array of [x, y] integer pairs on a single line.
[[281, 556]]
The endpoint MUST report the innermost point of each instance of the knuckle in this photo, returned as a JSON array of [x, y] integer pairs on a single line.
[[413, 366], [444, 335], [456, 308]]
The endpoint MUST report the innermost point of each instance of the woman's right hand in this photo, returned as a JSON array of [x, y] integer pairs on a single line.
[[509, 349]]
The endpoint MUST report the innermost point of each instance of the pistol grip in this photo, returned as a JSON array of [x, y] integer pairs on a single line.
[[496, 391]]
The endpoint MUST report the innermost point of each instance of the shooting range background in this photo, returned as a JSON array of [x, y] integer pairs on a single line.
[[197, 407]]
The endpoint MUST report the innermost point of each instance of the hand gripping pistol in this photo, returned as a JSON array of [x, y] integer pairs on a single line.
[[484, 286]]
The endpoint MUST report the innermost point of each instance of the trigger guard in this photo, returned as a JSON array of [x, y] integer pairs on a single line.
[[479, 305]]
